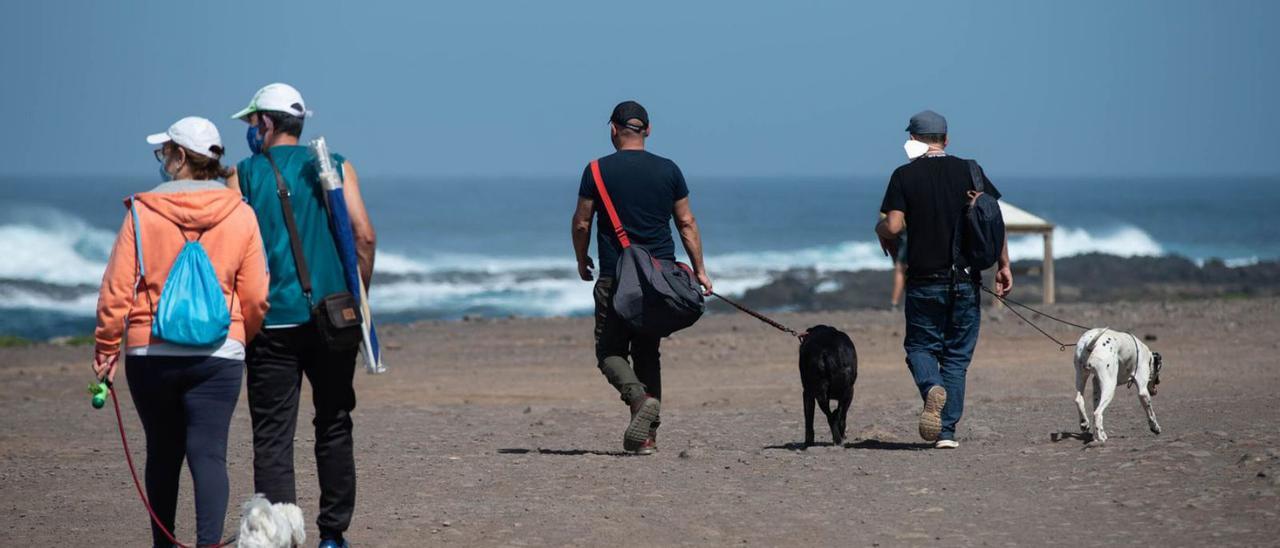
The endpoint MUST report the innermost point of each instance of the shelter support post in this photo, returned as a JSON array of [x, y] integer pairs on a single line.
[[1047, 276]]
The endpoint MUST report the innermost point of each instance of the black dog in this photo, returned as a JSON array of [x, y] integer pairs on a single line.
[[828, 369]]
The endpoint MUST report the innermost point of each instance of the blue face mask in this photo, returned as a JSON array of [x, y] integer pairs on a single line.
[[255, 140], [164, 175]]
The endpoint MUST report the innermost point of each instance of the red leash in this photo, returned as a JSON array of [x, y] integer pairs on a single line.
[[137, 484]]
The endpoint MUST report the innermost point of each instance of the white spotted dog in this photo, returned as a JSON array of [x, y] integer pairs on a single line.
[[1109, 356]]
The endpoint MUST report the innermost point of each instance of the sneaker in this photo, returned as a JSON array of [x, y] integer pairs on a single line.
[[334, 543], [649, 447], [644, 412], [931, 415], [946, 444]]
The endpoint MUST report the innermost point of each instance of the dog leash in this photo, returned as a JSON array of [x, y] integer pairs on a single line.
[[760, 317], [1061, 345], [115, 402], [1007, 301]]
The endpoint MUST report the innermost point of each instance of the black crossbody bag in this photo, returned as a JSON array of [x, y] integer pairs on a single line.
[[337, 316]]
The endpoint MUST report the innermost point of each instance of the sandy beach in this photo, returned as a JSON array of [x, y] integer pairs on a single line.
[[481, 159], [502, 432]]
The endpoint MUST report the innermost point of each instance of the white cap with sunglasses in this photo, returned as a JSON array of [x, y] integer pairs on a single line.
[[193, 133]]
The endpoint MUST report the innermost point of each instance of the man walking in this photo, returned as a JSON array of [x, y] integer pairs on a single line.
[[291, 344], [647, 191], [929, 194]]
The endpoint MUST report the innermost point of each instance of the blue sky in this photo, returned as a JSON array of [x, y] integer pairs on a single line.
[[1136, 88]]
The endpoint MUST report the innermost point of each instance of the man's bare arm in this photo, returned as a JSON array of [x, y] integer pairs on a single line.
[[889, 229], [581, 230], [1004, 274], [692, 240], [892, 225]]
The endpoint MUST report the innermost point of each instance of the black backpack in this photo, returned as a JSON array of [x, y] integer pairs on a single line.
[[980, 236], [653, 296]]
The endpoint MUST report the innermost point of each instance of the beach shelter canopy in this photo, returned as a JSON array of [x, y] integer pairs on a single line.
[[1019, 221]]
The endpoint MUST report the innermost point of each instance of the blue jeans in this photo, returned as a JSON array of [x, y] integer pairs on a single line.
[[942, 330], [185, 403]]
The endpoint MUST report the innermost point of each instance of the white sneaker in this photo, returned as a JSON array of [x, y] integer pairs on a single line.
[[946, 444], [931, 416]]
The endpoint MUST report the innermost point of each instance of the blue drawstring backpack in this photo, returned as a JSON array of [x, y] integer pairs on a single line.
[[192, 310]]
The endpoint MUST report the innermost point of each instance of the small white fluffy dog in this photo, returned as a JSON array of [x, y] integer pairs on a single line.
[[266, 525], [1110, 356]]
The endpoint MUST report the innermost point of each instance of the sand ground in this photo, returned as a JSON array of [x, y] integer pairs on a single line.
[[504, 433]]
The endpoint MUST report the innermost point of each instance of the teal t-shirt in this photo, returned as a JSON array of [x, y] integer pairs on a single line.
[[258, 185]]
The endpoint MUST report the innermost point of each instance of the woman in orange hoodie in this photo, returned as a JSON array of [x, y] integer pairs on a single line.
[[184, 395]]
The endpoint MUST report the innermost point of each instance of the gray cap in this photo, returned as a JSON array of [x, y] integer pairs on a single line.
[[927, 122]]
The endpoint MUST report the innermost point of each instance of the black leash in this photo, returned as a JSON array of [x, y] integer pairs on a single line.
[[1155, 368], [760, 317], [1007, 301]]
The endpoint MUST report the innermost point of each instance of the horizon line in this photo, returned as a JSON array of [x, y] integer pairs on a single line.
[[757, 175]]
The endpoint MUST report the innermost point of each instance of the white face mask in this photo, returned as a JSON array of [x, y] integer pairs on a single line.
[[915, 149]]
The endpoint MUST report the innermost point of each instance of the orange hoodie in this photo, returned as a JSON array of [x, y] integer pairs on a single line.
[[170, 214]]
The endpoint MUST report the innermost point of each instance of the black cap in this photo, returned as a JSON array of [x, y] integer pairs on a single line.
[[627, 111], [927, 122]]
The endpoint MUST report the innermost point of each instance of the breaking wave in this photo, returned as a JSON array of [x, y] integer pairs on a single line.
[[53, 262]]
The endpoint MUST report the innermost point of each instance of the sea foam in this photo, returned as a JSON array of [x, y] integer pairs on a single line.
[[54, 261]]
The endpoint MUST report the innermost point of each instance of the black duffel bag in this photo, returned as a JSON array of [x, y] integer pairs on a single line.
[[653, 296]]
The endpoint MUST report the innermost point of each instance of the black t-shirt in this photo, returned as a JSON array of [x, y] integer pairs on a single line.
[[643, 187], [931, 192]]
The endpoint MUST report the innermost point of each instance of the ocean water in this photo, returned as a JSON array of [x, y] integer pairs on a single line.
[[498, 247]]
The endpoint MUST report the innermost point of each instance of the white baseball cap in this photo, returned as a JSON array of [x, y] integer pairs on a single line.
[[275, 97], [195, 134]]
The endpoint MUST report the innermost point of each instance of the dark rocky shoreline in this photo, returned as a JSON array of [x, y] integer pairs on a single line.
[[1093, 278], [1084, 278]]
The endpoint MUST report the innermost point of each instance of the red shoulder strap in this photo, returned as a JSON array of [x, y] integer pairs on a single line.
[[608, 205]]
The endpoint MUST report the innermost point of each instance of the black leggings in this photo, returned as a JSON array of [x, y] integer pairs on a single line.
[[185, 403]]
